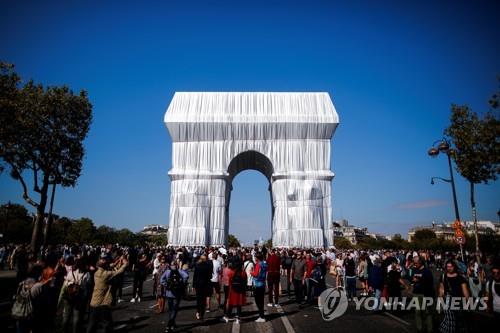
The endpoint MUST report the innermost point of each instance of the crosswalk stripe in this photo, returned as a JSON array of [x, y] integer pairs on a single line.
[[286, 322], [397, 319], [235, 328]]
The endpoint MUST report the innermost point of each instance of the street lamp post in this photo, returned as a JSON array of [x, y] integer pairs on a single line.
[[444, 147]]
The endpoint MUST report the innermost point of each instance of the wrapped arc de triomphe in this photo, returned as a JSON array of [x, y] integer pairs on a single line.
[[286, 136]]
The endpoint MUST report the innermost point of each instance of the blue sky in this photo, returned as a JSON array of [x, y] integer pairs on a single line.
[[391, 68]]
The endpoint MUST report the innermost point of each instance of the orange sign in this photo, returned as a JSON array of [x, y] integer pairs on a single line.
[[459, 233], [460, 240]]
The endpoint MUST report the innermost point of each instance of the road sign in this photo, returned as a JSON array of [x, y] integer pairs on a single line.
[[460, 240]]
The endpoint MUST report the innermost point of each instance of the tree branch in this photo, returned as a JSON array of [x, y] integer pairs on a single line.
[[25, 188]]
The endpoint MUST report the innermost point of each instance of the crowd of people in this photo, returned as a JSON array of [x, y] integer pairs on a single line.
[[69, 288]]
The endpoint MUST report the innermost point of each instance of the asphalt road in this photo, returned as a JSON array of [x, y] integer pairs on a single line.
[[287, 318]]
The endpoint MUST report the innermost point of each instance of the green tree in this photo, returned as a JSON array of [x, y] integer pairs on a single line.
[[232, 241], [15, 223], [41, 137], [424, 239], [477, 148], [342, 243], [126, 237], [269, 243], [369, 243], [81, 231], [156, 239], [60, 230], [400, 242], [490, 243], [424, 235], [105, 235]]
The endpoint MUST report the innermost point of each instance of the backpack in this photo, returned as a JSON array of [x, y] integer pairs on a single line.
[[350, 267], [462, 268], [175, 283], [260, 279], [74, 290], [23, 307], [235, 261], [238, 284], [316, 274], [263, 270]]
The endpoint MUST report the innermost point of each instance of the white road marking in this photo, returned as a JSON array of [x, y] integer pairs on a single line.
[[286, 322], [265, 326], [397, 319], [235, 328]]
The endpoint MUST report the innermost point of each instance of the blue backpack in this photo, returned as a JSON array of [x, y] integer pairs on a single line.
[[260, 280], [316, 274], [461, 267]]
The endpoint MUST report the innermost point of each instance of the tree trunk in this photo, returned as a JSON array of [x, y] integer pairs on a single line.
[[474, 219], [40, 215], [48, 225], [37, 227]]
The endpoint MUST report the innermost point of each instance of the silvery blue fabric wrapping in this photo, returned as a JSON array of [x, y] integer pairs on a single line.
[[284, 135]]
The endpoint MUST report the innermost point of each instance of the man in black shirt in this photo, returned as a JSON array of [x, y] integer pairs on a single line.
[[423, 286], [350, 275]]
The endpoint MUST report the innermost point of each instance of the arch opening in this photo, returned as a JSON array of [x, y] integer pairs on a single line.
[[253, 160], [248, 160]]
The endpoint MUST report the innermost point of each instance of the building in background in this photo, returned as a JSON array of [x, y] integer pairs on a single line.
[[154, 230], [445, 230], [378, 236], [353, 234]]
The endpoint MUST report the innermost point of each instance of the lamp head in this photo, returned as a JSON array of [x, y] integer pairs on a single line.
[[433, 152], [444, 146]]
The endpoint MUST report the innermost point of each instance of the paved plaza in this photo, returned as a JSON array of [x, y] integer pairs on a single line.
[[286, 318]]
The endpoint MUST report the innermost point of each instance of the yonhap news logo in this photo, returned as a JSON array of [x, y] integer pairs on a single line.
[[332, 303]]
